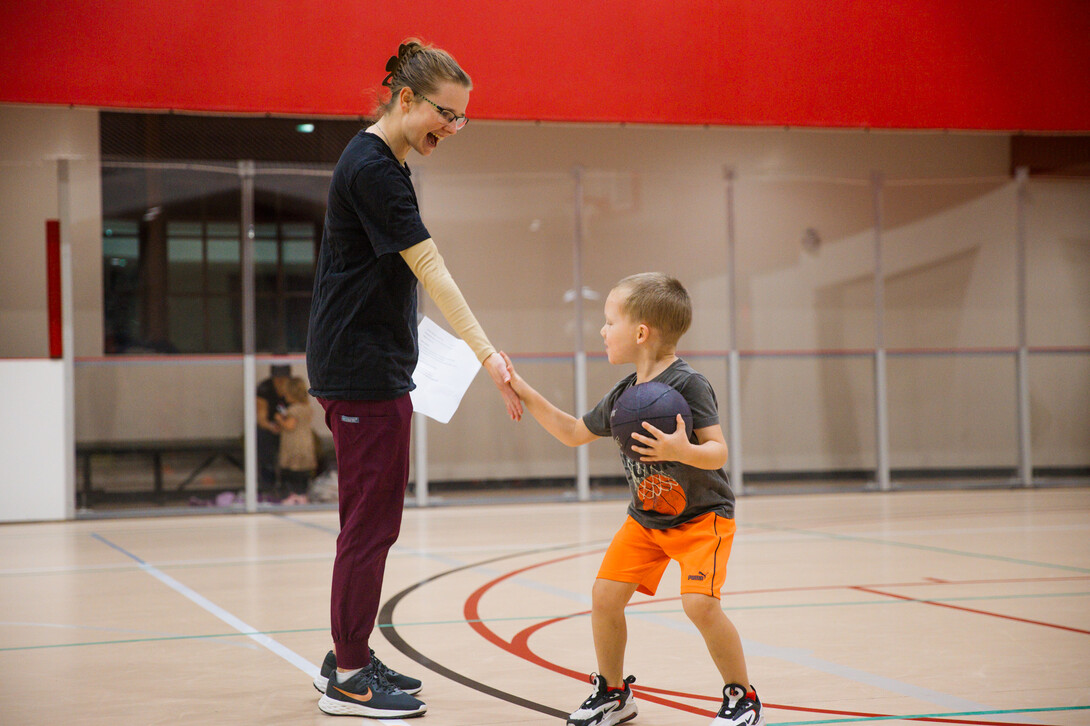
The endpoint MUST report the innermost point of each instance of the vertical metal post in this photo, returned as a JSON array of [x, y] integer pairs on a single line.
[[582, 456], [420, 459], [1025, 450], [68, 337], [734, 395], [420, 423], [249, 362], [881, 407]]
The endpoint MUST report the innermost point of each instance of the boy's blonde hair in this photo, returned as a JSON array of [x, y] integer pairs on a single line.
[[660, 301]]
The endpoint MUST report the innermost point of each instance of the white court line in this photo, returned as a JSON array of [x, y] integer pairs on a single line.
[[212, 608]]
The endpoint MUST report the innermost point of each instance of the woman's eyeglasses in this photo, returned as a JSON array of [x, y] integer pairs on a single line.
[[449, 116]]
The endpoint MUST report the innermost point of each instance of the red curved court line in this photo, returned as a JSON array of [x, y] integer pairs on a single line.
[[471, 610], [519, 647], [861, 588]]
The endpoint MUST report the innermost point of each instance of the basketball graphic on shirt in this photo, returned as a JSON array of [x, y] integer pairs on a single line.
[[660, 493]]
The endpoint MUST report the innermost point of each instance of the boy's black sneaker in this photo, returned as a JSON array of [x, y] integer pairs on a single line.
[[368, 694], [738, 709], [329, 667], [605, 707]]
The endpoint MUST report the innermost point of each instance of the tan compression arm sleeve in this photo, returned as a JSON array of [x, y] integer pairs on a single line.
[[428, 266]]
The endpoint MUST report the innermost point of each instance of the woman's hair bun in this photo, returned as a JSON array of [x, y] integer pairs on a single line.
[[405, 52]]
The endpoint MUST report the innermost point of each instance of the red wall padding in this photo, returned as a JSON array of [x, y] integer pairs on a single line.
[[54, 310], [964, 64]]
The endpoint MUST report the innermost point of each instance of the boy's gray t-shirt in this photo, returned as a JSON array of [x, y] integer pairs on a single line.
[[667, 494]]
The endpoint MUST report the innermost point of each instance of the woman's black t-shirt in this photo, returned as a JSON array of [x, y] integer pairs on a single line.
[[361, 341]]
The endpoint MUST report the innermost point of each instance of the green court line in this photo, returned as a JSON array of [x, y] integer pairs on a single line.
[[126, 568], [916, 716], [237, 634], [540, 618], [927, 548], [165, 638]]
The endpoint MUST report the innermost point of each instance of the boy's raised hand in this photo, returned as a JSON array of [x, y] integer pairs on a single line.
[[661, 446]]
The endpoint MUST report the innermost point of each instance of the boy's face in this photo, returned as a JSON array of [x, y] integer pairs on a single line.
[[620, 333]]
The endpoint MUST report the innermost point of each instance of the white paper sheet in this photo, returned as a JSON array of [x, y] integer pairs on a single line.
[[446, 368]]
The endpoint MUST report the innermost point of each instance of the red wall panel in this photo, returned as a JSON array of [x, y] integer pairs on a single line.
[[965, 64]]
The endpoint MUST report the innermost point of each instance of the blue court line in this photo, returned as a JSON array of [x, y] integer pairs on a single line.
[[916, 716]]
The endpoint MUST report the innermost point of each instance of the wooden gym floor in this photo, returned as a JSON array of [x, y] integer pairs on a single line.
[[966, 607]]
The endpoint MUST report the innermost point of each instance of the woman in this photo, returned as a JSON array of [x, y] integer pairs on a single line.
[[362, 349]]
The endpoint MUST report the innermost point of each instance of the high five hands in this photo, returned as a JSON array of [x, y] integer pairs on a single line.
[[497, 369]]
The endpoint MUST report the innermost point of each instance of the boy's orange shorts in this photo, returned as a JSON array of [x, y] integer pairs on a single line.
[[701, 546]]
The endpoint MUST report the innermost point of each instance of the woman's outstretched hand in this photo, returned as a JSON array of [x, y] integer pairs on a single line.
[[497, 368]]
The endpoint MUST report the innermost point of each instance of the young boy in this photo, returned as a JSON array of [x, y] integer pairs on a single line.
[[646, 314]]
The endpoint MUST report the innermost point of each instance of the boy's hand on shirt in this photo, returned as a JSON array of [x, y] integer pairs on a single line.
[[661, 446]]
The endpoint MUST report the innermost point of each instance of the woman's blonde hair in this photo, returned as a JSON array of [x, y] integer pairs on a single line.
[[421, 68]]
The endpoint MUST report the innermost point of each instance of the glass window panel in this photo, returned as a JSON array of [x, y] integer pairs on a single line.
[[298, 315], [299, 253], [265, 231], [265, 272], [184, 257], [223, 251], [268, 330], [265, 252], [121, 308], [298, 266], [224, 325], [184, 250], [119, 228], [223, 266], [122, 248], [223, 229], [298, 230], [186, 321], [184, 229]]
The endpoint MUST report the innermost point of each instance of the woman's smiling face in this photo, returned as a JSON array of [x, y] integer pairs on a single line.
[[424, 126]]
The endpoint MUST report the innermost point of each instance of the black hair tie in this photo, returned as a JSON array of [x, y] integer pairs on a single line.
[[404, 52]]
